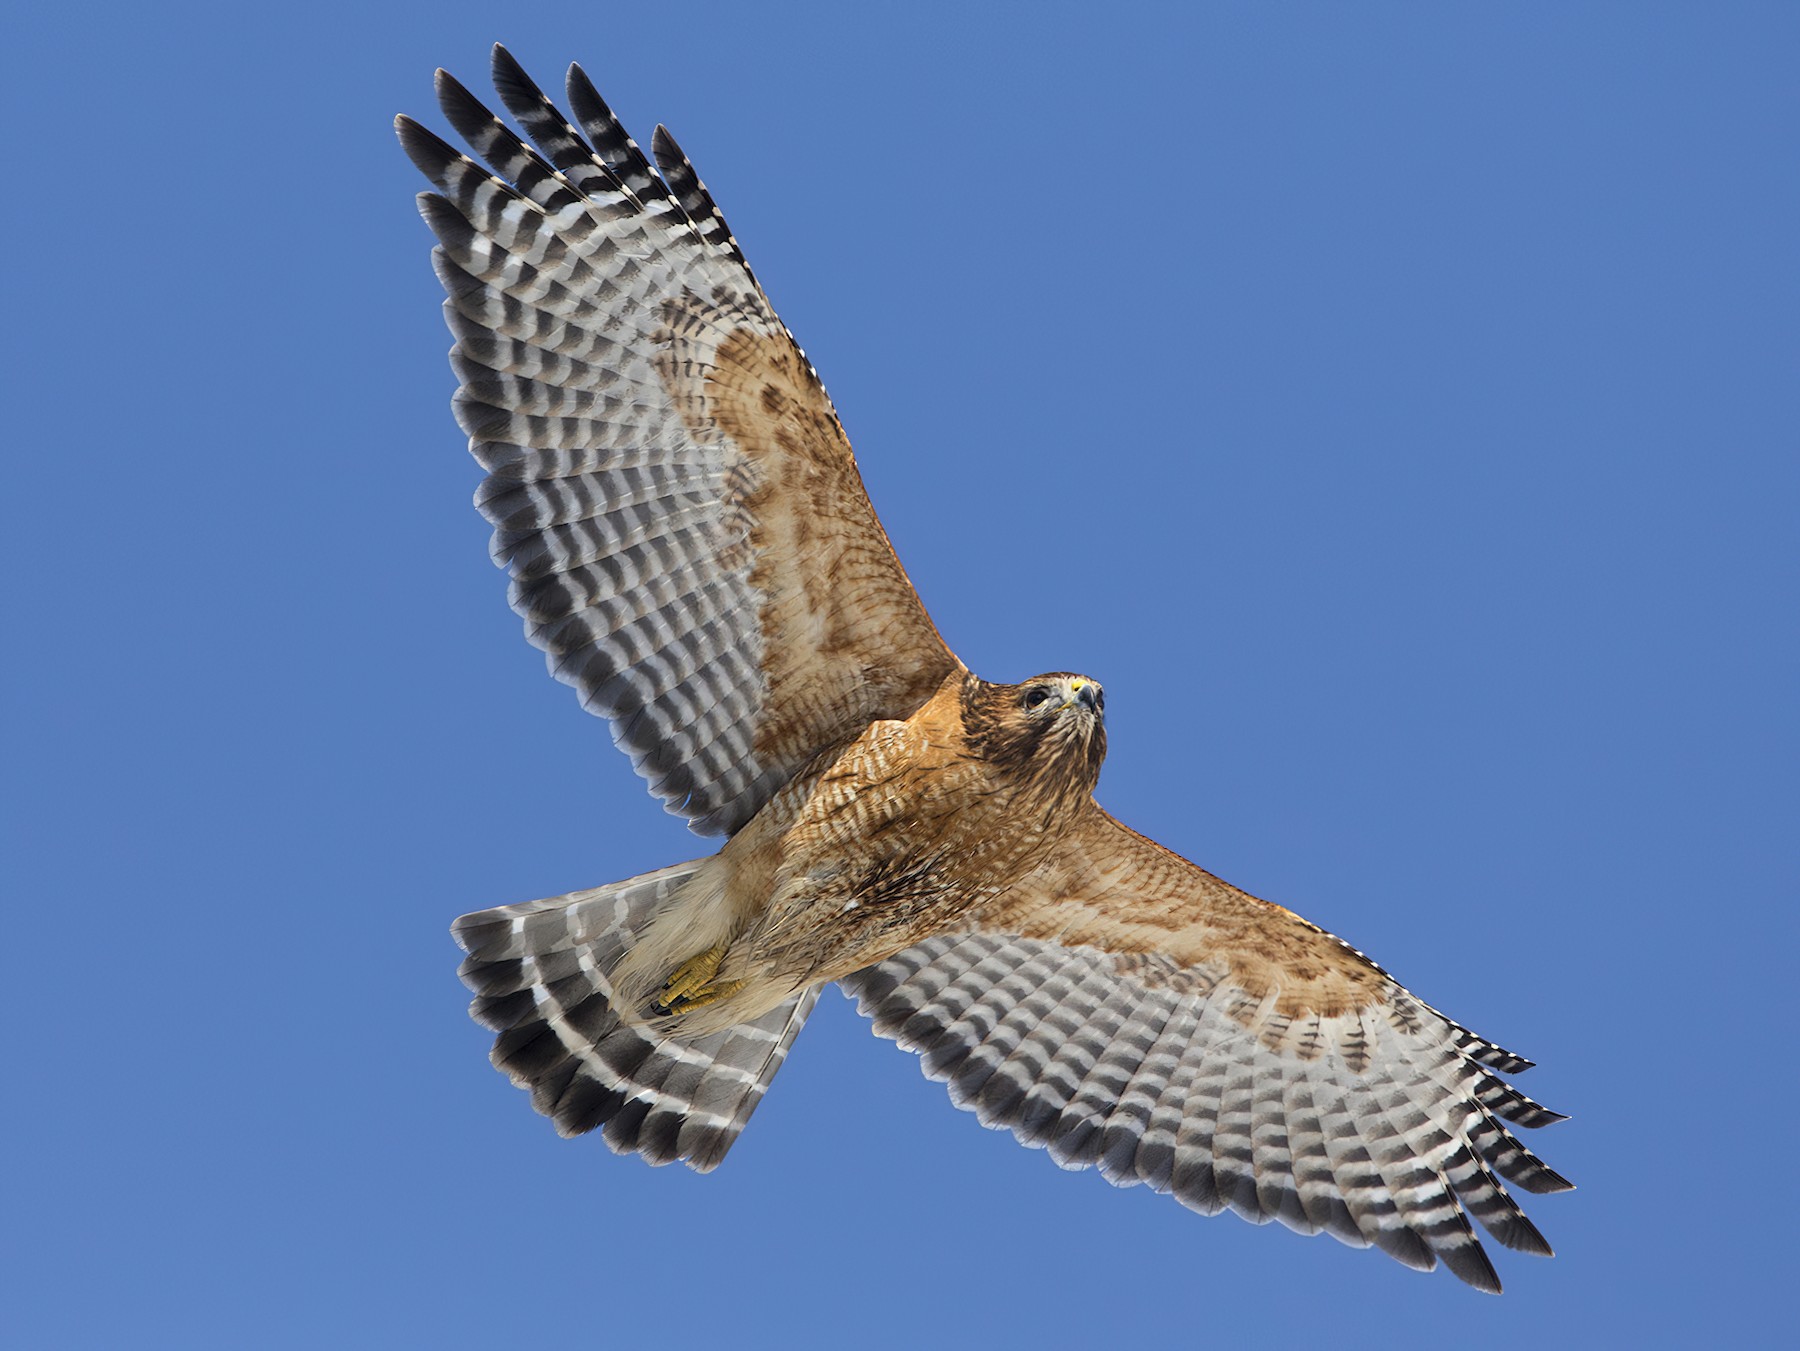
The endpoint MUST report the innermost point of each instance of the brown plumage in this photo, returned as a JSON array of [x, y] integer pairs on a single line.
[[917, 827], [690, 544]]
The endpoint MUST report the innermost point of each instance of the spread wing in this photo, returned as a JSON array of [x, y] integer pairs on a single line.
[[688, 538], [1130, 1012]]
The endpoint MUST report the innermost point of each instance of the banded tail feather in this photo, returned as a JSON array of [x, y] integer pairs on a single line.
[[541, 976]]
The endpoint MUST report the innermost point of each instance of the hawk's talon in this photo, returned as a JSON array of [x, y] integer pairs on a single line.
[[691, 985], [707, 994]]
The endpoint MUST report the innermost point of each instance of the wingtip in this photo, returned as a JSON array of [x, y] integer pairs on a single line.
[[504, 64], [581, 91], [428, 151], [1468, 1261], [1547, 1182], [447, 86]]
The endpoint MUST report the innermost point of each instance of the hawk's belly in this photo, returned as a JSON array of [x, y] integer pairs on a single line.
[[902, 835], [905, 832]]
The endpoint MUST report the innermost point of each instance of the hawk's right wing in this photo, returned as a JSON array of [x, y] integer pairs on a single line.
[[688, 537]]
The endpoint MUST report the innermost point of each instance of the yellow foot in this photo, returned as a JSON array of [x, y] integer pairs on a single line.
[[692, 985], [706, 994]]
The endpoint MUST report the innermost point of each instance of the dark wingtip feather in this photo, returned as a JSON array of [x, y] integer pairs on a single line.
[[1407, 1247], [1507, 1062], [611, 142], [468, 114], [511, 80], [1506, 1101], [1469, 1263], [502, 63], [1545, 1180], [426, 149], [1521, 1235]]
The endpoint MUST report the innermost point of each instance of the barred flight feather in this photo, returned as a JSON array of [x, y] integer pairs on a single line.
[[1151, 1087], [593, 305], [695, 200]]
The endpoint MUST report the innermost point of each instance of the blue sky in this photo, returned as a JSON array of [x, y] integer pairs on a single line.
[[1395, 406]]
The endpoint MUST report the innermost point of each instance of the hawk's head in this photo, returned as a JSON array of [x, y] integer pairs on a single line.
[[1051, 727]]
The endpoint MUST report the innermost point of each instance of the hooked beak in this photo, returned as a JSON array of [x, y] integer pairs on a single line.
[[1086, 693]]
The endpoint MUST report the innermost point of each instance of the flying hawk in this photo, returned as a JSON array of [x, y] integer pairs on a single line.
[[690, 544]]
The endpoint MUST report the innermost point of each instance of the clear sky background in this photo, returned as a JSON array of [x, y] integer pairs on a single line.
[[1395, 406]]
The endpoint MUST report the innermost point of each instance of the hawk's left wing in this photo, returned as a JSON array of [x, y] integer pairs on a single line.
[[1128, 1011]]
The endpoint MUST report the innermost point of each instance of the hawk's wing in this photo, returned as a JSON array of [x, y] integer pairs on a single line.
[[688, 538], [1130, 1012]]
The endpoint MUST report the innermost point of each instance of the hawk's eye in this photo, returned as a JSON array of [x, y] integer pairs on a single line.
[[1036, 697]]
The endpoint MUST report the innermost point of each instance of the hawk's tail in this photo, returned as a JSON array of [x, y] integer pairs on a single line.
[[540, 975]]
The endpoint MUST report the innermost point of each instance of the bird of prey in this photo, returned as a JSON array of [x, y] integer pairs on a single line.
[[690, 544]]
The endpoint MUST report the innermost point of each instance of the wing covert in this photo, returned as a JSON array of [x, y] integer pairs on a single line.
[[1127, 1011], [688, 539]]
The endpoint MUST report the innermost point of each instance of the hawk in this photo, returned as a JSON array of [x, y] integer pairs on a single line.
[[690, 544]]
